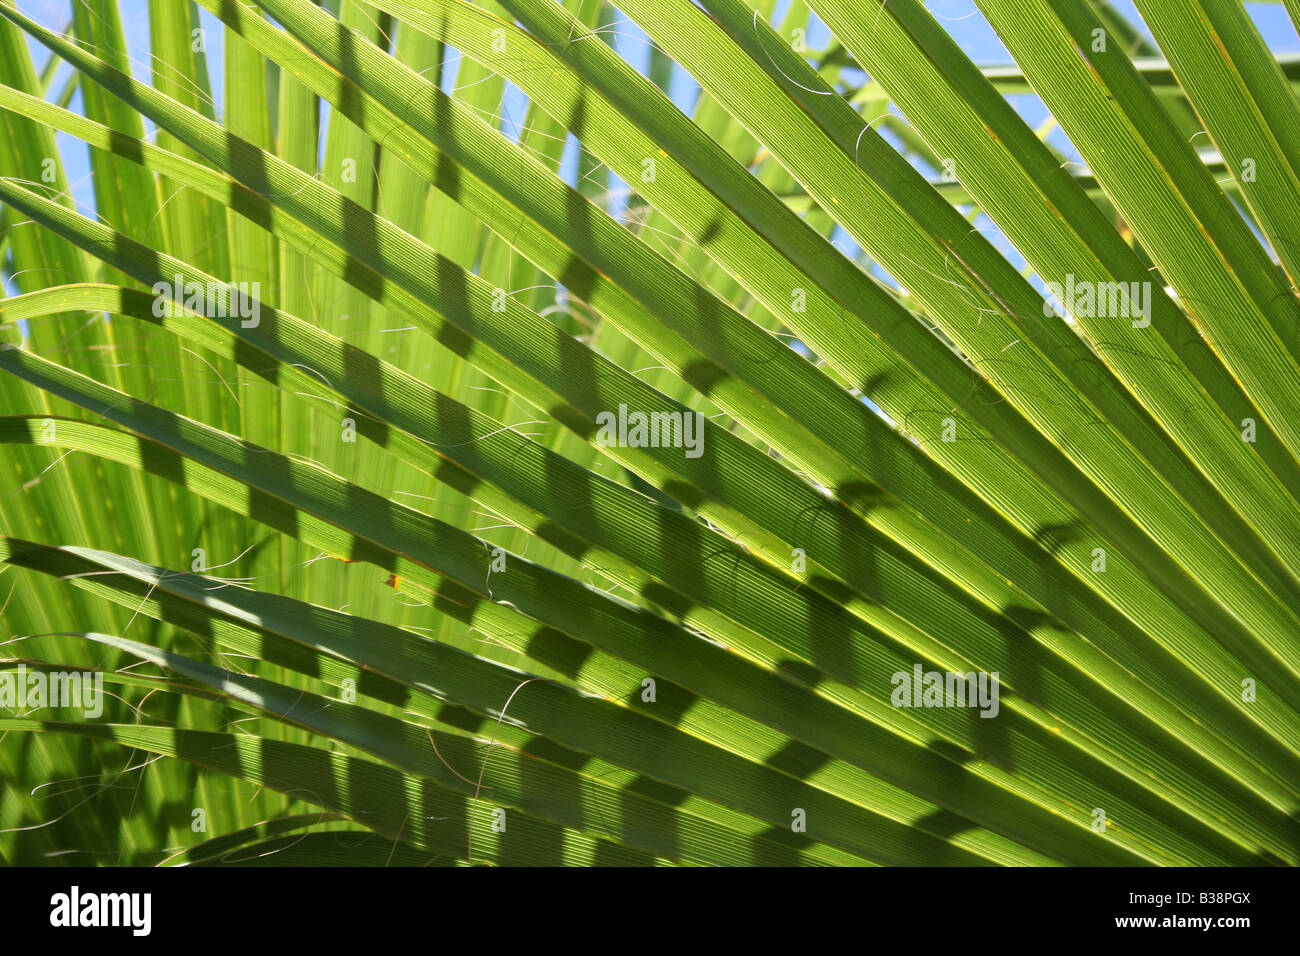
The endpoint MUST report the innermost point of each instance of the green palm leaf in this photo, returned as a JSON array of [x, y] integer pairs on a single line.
[[368, 578]]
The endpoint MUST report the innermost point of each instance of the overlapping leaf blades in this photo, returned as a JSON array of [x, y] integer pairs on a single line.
[[536, 647]]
